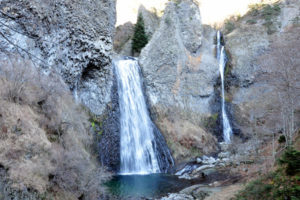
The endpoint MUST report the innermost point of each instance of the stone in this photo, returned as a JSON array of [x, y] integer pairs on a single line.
[[209, 160], [175, 196], [223, 155], [122, 39], [199, 160], [151, 20], [179, 77], [203, 167], [73, 39]]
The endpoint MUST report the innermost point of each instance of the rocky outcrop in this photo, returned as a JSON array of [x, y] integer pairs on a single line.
[[256, 90], [73, 38], [151, 20], [123, 39], [109, 142], [124, 33], [180, 72]]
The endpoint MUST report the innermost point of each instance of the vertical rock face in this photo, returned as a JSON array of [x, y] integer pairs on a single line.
[[73, 38], [123, 38], [180, 71], [151, 20], [262, 66]]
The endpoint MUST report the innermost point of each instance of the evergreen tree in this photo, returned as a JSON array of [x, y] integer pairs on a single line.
[[140, 39]]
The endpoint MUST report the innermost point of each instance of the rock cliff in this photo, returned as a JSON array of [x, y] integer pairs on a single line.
[[180, 72], [263, 51], [73, 38], [48, 48]]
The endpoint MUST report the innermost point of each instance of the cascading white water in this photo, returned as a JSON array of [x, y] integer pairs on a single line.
[[221, 55], [137, 145]]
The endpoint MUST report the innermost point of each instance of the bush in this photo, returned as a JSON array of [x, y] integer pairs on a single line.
[[254, 9], [229, 26], [251, 21], [15, 75], [48, 142], [268, 13], [140, 39], [281, 139], [281, 184], [291, 158]]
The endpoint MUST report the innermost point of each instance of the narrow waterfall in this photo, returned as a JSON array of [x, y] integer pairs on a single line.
[[139, 152], [221, 56]]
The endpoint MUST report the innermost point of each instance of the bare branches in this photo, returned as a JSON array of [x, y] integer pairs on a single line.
[[283, 62]]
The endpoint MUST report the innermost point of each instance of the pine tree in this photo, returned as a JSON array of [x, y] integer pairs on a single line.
[[140, 39]]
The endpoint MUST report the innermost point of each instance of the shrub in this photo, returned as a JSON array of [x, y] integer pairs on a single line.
[[281, 184], [291, 158], [268, 13], [140, 39], [58, 144], [251, 21], [211, 121], [15, 75], [254, 8], [281, 139], [229, 26]]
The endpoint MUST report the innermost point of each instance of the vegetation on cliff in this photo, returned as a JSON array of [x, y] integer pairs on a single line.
[[46, 140], [284, 183]]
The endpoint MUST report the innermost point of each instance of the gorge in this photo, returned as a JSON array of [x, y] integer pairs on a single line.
[[196, 112]]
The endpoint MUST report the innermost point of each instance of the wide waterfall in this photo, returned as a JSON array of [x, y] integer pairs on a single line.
[[140, 153], [221, 55]]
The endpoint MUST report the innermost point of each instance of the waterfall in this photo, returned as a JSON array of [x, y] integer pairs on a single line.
[[139, 152], [221, 56]]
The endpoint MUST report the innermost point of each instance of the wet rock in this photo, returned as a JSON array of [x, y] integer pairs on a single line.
[[203, 167], [109, 142], [178, 197], [223, 155], [208, 160], [199, 160], [187, 169]]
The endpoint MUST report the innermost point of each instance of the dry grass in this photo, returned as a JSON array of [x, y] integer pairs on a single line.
[[45, 141]]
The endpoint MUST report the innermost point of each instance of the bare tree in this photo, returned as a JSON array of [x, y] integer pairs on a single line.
[[15, 74]]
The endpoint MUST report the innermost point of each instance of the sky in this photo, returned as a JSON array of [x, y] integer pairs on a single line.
[[212, 11]]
